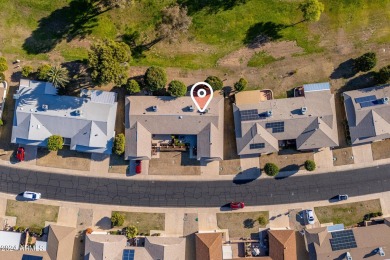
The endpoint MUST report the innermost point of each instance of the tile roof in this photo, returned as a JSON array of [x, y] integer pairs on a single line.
[[100, 246], [40, 113], [368, 123], [282, 244], [60, 242], [173, 117], [208, 246]]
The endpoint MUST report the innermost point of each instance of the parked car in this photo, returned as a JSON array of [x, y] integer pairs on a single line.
[[138, 166], [310, 216], [342, 197], [31, 195], [237, 205], [20, 154]]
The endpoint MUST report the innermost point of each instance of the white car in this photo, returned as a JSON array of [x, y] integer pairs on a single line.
[[310, 216], [31, 195]]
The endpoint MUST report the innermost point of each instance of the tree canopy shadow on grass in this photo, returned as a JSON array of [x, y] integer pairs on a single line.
[[67, 23], [345, 70], [362, 81], [249, 223], [263, 32], [211, 6]]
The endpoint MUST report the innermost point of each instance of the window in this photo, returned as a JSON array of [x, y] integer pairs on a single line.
[[257, 146]]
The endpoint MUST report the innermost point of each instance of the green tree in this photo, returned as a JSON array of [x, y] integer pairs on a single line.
[[215, 82], [58, 76], [117, 219], [131, 232], [108, 61], [241, 84], [55, 143], [155, 78], [3, 66], [132, 86], [271, 169], [262, 220], [27, 70], [177, 88], [383, 75], [43, 71], [119, 147], [365, 62], [310, 165], [2, 77], [311, 10]]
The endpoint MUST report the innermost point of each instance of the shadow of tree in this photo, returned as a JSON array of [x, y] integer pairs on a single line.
[[263, 32], [211, 6], [345, 70], [362, 81], [75, 20], [249, 223], [247, 176], [79, 77]]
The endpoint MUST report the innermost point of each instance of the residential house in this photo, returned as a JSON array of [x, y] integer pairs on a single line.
[[370, 242], [208, 246], [151, 121], [86, 123], [306, 122], [368, 114], [99, 247]]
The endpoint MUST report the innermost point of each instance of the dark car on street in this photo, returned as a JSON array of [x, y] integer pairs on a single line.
[[342, 197]]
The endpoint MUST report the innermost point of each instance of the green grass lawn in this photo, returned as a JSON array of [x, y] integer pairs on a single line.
[[261, 59], [348, 214]]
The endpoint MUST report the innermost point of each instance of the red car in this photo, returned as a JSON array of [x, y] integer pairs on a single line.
[[237, 205], [20, 154], [138, 166]]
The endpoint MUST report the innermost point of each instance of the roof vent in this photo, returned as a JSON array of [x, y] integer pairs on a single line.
[[348, 256], [38, 126], [381, 252], [269, 113], [45, 107], [191, 108], [154, 108], [78, 112], [303, 110], [180, 117], [385, 100]]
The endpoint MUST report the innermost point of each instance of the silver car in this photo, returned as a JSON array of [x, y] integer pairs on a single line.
[[310, 216], [31, 195]]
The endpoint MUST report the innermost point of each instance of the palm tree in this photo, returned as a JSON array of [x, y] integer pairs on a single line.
[[58, 76]]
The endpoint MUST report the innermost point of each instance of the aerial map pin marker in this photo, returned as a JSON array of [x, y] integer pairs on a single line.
[[201, 94]]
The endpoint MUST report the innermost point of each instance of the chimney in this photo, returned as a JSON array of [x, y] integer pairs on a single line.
[[303, 110]]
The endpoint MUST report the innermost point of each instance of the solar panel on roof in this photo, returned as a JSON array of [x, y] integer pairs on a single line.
[[247, 115], [343, 240], [370, 103], [277, 127], [365, 99], [128, 254], [257, 146]]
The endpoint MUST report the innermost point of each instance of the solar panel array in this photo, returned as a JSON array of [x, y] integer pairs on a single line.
[[368, 101], [257, 146], [247, 115], [277, 127], [128, 254], [365, 99], [342, 240]]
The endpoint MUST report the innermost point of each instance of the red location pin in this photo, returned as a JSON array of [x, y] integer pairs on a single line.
[[201, 94]]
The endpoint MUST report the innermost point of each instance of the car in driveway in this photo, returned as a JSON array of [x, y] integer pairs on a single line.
[[237, 205], [309, 216], [138, 166], [20, 154], [31, 195], [342, 197]]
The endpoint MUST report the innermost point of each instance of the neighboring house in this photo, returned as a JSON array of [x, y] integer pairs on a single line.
[[307, 122], [86, 123], [368, 114], [208, 246], [371, 242], [148, 119], [114, 247], [286, 245]]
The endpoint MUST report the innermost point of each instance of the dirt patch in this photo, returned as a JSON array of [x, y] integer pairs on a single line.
[[288, 160], [343, 156], [65, 159], [242, 224], [381, 149], [31, 214], [348, 214], [118, 164], [174, 163], [144, 221]]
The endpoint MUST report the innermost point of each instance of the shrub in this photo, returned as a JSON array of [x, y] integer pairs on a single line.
[[380, 213], [262, 220], [3, 66], [117, 219], [1, 122], [35, 230], [21, 229], [310, 165], [119, 147], [2, 77], [365, 62], [177, 88], [132, 86], [55, 143], [155, 78], [271, 169], [131, 232], [215, 82], [42, 71], [383, 75], [241, 84], [26, 71]]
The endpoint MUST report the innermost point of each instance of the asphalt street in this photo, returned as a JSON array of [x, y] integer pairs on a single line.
[[267, 191]]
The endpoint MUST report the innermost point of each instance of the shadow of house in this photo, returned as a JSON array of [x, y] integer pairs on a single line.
[[345, 70], [263, 32], [211, 6], [67, 23]]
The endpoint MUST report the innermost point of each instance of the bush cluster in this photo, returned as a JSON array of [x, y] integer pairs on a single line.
[[119, 146], [155, 78], [365, 62], [241, 84], [310, 165], [271, 169], [372, 215], [177, 88], [132, 87], [215, 82], [117, 219], [55, 143]]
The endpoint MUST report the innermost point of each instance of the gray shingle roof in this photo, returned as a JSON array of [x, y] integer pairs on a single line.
[[314, 129], [40, 113], [368, 123], [99, 246], [172, 116]]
